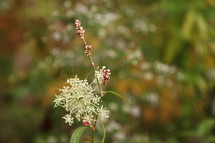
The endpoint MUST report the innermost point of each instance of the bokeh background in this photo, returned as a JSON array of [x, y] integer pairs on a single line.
[[161, 54]]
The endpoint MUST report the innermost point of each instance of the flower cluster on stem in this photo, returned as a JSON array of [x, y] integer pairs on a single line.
[[80, 101], [79, 98]]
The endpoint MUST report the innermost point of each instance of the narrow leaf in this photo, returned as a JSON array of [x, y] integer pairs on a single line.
[[119, 95], [76, 136], [188, 23], [202, 26]]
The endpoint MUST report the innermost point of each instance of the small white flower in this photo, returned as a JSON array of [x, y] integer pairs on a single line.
[[68, 119], [113, 126], [103, 113], [120, 136], [67, 4], [113, 106], [58, 101], [88, 119], [135, 111], [56, 36]]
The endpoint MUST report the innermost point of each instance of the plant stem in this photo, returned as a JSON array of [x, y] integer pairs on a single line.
[[94, 67], [104, 132], [90, 57], [93, 136], [100, 89]]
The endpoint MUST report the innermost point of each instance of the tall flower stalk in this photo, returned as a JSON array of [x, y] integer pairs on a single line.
[[79, 97]]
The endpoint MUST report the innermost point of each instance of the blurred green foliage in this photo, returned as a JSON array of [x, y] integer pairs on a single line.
[[161, 53]]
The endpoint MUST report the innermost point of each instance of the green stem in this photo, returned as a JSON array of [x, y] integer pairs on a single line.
[[104, 132], [93, 65], [93, 136]]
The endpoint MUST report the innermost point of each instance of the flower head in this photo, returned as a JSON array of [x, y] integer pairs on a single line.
[[80, 101]]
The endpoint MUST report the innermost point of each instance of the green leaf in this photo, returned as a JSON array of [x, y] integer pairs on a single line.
[[188, 23], [202, 26], [120, 96], [172, 48], [76, 136], [205, 127]]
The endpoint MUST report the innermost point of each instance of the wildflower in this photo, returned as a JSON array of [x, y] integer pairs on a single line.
[[103, 75], [103, 113], [81, 102], [68, 119]]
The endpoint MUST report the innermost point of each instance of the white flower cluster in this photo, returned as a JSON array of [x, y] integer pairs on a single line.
[[81, 102]]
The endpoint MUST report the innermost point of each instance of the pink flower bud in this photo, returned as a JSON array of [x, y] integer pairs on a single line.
[[77, 23], [88, 51], [106, 76], [86, 123]]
